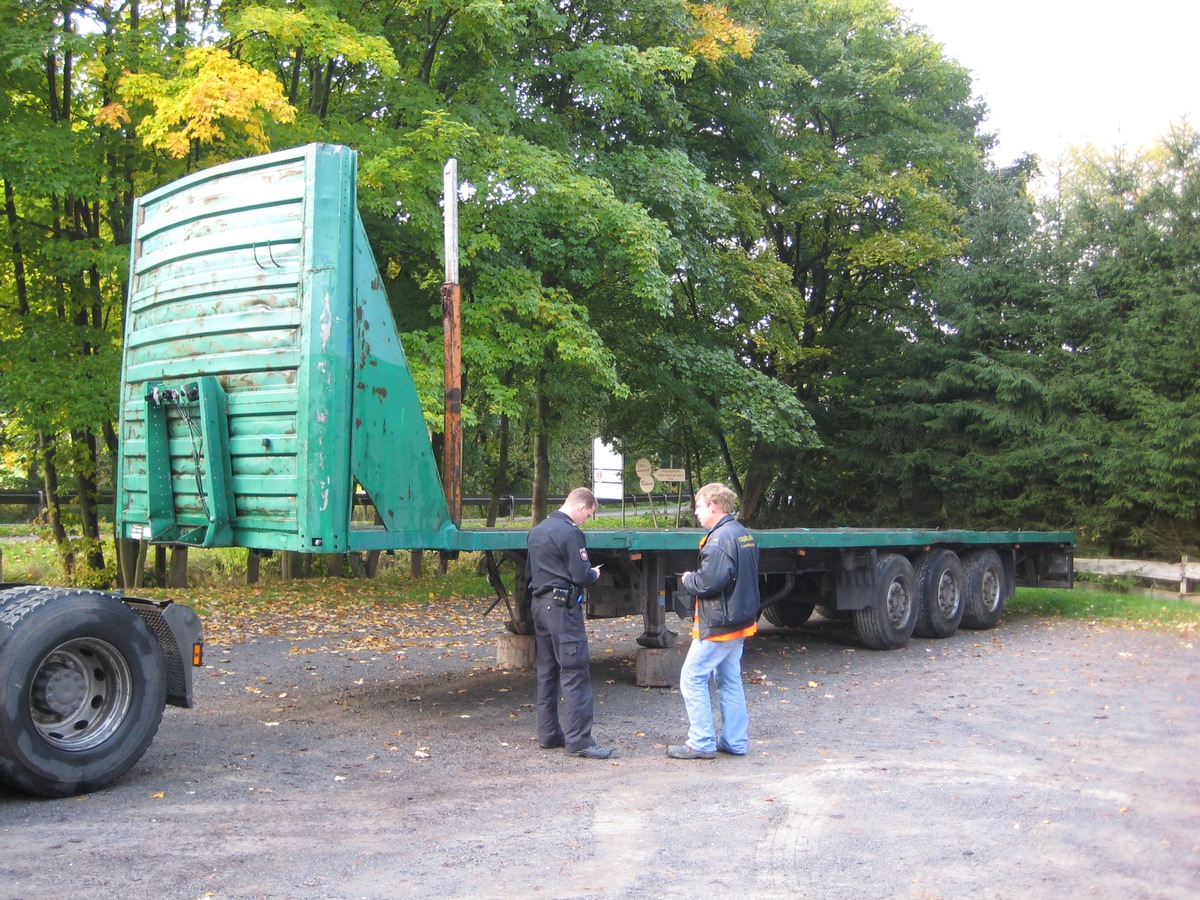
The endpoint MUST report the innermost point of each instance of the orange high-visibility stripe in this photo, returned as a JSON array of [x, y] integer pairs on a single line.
[[750, 629]]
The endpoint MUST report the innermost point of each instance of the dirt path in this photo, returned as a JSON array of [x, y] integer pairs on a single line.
[[1041, 759]]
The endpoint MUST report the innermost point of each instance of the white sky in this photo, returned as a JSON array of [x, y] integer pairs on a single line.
[[1059, 73]]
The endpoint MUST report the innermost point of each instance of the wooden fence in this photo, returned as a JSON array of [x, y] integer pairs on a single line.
[[1183, 574]]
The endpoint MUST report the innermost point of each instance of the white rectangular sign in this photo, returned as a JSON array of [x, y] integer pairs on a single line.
[[608, 468]]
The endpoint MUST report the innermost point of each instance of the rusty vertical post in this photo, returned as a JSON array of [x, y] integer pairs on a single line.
[[452, 329]]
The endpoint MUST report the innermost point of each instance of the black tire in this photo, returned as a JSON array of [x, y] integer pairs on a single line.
[[788, 613], [940, 593], [84, 686], [887, 624], [9, 596], [985, 591]]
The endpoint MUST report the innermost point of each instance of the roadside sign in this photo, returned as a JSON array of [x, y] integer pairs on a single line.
[[671, 475], [646, 484], [607, 467], [642, 467]]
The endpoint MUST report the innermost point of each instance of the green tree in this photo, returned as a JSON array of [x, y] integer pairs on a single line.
[[560, 249], [841, 142], [980, 405], [1126, 234], [101, 101]]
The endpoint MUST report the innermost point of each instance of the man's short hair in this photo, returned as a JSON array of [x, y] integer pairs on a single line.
[[583, 496], [718, 495]]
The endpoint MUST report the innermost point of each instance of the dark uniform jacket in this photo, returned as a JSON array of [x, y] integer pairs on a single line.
[[726, 580], [558, 556]]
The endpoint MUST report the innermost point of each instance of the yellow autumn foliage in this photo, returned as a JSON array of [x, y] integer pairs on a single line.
[[213, 92], [719, 35]]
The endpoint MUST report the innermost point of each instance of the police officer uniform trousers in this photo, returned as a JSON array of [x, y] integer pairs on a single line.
[[562, 665]]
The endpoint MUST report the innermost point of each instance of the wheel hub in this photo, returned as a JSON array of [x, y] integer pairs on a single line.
[[80, 694], [991, 591], [897, 603], [947, 598], [60, 687]]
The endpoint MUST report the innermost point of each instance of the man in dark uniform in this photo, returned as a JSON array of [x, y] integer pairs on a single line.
[[557, 570]]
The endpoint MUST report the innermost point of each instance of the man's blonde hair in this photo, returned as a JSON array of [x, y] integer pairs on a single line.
[[718, 495], [583, 496]]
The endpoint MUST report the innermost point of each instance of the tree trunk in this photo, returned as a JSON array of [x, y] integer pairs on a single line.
[[19, 280], [128, 552], [53, 508], [501, 478], [177, 577], [759, 476], [89, 516], [541, 460]]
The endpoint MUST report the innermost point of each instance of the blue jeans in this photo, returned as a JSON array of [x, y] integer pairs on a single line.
[[724, 660]]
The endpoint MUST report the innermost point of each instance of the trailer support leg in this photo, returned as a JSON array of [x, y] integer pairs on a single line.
[[654, 602]]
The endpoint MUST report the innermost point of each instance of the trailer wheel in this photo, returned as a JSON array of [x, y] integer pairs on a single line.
[[788, 613], [84, 690], [984, 578], [940, 594], [887, 624]]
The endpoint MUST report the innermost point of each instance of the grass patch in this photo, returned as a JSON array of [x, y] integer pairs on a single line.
[[1115, 606], [30, 557]]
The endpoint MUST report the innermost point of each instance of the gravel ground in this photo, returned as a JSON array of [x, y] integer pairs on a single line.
[[1045, 758]]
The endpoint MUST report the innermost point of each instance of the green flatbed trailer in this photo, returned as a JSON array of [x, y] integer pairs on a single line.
[[264, 388]]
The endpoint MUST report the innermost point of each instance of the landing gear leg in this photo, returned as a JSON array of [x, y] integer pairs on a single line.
[[654, 603]]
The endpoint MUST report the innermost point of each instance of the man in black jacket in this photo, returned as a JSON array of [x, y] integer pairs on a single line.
[[727, 599], [557, 570]]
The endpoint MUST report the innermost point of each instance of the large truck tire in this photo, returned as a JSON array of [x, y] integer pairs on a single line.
[[84, 686], [789, 602], [788, 613], [940, 593], [831, 612], [888, 622], [984, 576]]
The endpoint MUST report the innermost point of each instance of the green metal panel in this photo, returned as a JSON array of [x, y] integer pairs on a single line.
[[200, 408], [322, 434], [215, 290], [393, 459], [899, 539], [257, 275]]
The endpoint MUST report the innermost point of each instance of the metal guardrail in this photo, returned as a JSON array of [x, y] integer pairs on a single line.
[[30, 498]]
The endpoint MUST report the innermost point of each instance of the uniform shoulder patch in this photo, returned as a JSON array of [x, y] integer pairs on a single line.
[[583, 554]]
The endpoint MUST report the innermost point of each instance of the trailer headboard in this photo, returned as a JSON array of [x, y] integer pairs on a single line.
[[263, 382]]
